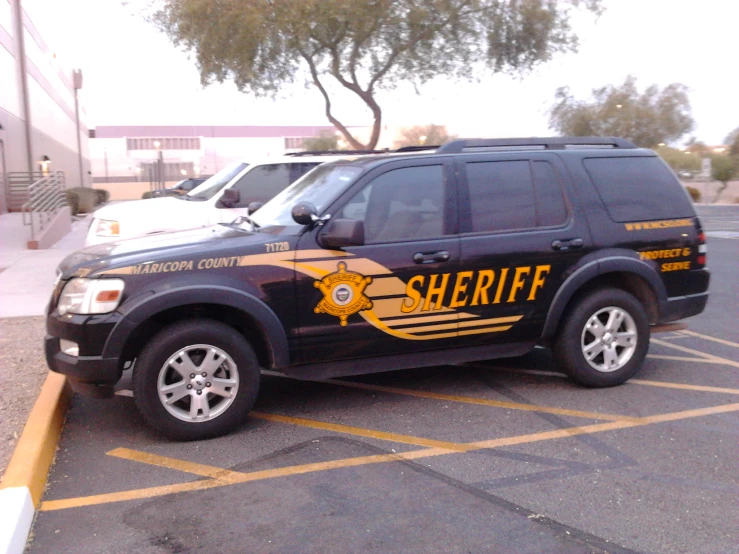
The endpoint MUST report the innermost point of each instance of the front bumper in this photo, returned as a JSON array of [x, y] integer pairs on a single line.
[[91, 373], [92, 376]]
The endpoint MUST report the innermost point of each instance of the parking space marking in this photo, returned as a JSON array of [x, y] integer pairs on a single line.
[[670, 385], [706, 357], [174, 463], [150, 492], [708, 337], [479, 401], [236, 477], [362, 432], [684, 359]]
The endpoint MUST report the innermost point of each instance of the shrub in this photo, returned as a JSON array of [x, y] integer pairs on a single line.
[[146, 195], [695, 194], [87, 199], [103, 195], [73, 201]]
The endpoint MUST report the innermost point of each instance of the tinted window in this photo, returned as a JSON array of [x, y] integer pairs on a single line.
[[319, 187], [501, 196], [635, 189], [264, 182], [211, 186], [402, 204], [550, 204]]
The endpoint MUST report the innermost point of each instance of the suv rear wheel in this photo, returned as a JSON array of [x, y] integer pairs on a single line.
[[196, 379], [603, 339]]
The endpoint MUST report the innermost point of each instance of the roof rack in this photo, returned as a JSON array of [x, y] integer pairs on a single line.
[[416, 148], [335, 152], [544, 143]]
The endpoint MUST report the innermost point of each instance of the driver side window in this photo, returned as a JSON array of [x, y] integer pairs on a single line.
[[400, 205]]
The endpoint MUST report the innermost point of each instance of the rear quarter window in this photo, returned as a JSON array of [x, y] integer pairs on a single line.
[[638, 189]]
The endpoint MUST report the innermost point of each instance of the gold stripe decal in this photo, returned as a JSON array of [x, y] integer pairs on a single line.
[[665, 224], [352, 285]]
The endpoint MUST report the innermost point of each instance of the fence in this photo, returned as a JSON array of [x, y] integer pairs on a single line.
[[17, 188], [45, 198]]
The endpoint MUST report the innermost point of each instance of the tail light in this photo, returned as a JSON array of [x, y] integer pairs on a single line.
[[702, 248]]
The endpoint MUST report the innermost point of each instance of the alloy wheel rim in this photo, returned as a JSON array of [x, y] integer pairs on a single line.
[[198, 383], [608, 340]]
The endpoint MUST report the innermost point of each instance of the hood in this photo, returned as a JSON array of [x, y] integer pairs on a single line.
[[140, 217], [138, 208], [192, 242]]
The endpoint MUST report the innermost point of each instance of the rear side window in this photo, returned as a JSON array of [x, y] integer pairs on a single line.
[[637, 189], [506, 196]]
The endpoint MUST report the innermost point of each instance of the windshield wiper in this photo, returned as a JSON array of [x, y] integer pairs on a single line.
[[241, 219]]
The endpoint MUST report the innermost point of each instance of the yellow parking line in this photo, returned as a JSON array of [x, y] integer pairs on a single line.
[[675, 416], [479, 401], [151, 492], [669, 385], [708, 337], [173, 463], [135, 494], [362, 432], [705, 355], [684, 359]]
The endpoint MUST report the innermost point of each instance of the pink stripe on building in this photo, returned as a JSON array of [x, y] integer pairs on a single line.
[[214, 131]]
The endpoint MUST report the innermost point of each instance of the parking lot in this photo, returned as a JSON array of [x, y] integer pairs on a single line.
[[502, 456]]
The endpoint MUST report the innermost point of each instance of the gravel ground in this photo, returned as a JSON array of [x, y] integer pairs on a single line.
[[22, 372]]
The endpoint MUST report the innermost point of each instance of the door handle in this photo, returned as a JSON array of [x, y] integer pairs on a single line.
[[431, 257], [567, 244]]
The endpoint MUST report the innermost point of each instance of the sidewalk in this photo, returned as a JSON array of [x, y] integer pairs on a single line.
[[27, 276]]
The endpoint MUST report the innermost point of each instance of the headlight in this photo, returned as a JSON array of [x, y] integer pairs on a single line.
[[90, 296], [107, 228]]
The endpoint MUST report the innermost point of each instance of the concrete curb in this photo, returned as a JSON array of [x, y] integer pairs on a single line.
[[23, 483]]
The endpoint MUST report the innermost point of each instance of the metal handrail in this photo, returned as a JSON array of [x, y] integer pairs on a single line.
[[16, 188], [45, 198]]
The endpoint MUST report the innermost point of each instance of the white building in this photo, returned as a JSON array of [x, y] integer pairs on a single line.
[[122, 154], [39, 127]]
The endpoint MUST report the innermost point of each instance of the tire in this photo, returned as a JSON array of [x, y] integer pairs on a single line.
[[170, 368], [589, 351]]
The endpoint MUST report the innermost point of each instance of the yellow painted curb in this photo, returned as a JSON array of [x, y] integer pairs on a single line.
[[32, 457]]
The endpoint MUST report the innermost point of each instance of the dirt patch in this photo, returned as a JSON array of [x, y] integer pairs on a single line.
[[22, 372]]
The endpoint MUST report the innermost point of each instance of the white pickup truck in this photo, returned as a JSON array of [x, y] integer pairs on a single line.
[[206, 204]]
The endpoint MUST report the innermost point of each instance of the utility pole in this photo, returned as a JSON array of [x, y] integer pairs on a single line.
[[77, 81], [17, 12]]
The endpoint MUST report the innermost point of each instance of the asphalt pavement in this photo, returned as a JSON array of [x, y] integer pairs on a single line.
[[501, 456]]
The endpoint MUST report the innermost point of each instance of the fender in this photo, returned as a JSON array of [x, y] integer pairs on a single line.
[[266, 320], [607, 262]]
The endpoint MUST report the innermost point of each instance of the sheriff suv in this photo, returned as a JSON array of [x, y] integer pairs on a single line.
[[476, 250]]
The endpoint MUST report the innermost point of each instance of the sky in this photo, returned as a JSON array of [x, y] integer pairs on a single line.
[[133, 75]]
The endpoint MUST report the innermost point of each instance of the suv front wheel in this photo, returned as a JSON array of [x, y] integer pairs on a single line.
[[196, 379], [603, 338]]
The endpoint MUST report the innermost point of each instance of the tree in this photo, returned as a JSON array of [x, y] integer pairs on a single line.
[[422, 135], [732, 139], [648, 119], [723, 169], [680, 160], [362, 46], [326, 140]]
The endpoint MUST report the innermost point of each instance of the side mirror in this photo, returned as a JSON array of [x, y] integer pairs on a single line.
[[230, 198], [304, 213], [342, 232], [253, 207]]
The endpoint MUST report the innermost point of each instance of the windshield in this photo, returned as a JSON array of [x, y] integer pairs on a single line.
[[319, 187], [212, 185]]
